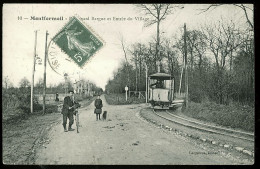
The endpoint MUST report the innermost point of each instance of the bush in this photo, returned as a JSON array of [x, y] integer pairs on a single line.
[[17, 101]]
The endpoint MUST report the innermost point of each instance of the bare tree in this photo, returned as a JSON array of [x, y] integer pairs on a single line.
[[158, 13], [135, 59], [222, 38], [197, 46], [246, 9], [171, 56], [139, 53], [140, 59], [123, 45]]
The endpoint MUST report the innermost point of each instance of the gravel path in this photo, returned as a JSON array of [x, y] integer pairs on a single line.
[[122, 139]]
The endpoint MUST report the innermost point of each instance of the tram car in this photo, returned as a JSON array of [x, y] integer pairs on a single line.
[[161, 90]]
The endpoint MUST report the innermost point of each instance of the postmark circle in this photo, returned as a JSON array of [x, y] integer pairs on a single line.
[[60, 62]]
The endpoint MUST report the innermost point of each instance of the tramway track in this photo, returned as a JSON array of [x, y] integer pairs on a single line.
[[204, 127]]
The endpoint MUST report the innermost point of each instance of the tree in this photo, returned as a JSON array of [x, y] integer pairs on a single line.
[[243, 71], [140, 58], [24, 83], [122, 41], [246, 9], [223, 39], [117, 84], [7, 83], [158, 13]]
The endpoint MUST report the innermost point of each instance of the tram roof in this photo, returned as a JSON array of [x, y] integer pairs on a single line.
[[162, 76]]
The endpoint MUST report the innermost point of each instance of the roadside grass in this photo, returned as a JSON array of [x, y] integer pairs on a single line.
[[234, 115], [119, 99], [19, 136], [20, 132], [13, 115]]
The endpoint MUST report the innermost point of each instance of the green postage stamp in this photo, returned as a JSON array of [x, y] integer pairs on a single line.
[[77, 41]]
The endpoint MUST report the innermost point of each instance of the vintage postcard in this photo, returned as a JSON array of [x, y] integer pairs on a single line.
[[128, 84]]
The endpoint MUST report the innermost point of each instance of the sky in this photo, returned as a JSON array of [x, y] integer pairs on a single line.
[[19, 35]]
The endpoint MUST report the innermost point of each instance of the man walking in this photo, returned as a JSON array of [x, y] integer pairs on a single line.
[[67, 111]]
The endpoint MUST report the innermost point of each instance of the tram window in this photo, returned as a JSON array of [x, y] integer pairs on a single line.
[[158, 84], [168, 84]]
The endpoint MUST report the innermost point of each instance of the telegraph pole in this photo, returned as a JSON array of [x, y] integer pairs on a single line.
[[44, 75], [146, 83], [32, 85], [181, 76], [186, 70]]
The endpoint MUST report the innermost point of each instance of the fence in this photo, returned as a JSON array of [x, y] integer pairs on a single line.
[[179, 95], [50, 97], [139, 94]]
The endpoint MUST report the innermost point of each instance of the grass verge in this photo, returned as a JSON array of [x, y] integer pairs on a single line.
[[234, 116]]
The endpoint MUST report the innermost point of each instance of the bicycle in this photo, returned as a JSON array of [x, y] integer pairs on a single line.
[[77, 120], [76, 113]]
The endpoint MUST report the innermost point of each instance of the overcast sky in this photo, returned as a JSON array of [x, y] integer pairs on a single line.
[[18, 35]]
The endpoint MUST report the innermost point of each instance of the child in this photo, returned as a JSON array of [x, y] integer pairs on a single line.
[[98, 109]]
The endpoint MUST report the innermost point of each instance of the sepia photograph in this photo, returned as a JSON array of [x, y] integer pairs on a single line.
[[128, 84]]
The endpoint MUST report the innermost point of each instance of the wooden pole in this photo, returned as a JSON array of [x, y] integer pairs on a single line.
[[186, 70], [136, 80], [44, 75], [32, 85], [148, 88], [126, 94], [181, 77], [146, 83]]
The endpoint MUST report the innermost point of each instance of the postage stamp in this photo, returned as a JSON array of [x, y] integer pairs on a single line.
[[77, 41]]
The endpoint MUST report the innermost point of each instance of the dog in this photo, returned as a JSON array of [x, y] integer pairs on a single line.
[[104, 115]]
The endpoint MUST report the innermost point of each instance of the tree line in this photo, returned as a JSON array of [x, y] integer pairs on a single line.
[[61, 87], [220, 60]]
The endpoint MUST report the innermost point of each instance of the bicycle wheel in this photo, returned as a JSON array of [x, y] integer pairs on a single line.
[[77, 122]]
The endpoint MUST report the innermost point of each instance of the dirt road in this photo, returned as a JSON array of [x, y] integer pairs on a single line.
[[123, 139]]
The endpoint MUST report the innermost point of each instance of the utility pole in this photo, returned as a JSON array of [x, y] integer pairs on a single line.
[[34, 57], [44, 75], [146, 83], [136, 80], [79, 85], [66, 83], [186, 70], [181, 76]]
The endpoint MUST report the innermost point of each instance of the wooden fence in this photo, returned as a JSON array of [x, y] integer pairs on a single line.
[[179, 95], [139, 94], [50, 97]]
